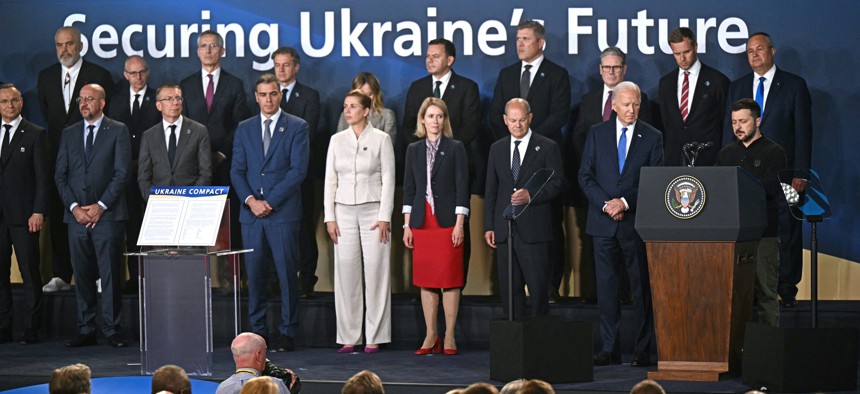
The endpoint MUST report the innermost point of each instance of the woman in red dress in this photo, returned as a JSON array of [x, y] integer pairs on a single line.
[[434, 213]]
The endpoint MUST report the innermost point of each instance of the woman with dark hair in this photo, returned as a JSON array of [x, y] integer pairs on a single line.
[[380, 117], [436, 203], [358, 201]]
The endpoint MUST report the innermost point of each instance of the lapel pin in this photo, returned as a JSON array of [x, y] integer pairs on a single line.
[[541, 75], [707, 83], [145, 98], [639, 135], [452, 86], [23, 149], [281, 129], [537, 148], [442, 153], [297, 94], [187, 131]]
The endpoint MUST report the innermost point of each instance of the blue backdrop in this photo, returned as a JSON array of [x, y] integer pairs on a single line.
[[337, 39]]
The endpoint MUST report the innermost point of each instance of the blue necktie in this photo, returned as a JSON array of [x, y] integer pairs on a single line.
[[515, 163], [759, 95], [622, 149]]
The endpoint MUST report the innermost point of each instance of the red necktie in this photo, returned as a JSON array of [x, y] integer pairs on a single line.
[[607, 108], [685, 95], [210, 94]]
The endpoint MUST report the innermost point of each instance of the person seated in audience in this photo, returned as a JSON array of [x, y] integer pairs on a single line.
[[535, 386], [364, 382], [172, 379], [480, 388], [647, 386], [249, 354], [260, 385], [71, 379], [512, 386]]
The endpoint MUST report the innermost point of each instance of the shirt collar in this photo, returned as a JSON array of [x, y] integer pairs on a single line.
[[445, 78], [768, 75], [74, 69], [15, 122], [274, 118], [141, 92], [535, 64], [97, 123], [216, 73], [694, 69], [290, 86], [526, 138], [618, 126], [178, 123]]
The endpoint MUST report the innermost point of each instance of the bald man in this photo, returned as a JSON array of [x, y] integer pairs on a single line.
[[249, 354]]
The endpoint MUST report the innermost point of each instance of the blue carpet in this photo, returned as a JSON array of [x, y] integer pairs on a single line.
[[122, 384]]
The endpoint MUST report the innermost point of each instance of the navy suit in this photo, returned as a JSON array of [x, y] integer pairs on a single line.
[[275, 178], [601, 181], [704, 120], [787, 120], [533, 230], [25, 181], [100, 176]]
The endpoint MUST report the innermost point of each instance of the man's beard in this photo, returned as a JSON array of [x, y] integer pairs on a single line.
[[68, 62]]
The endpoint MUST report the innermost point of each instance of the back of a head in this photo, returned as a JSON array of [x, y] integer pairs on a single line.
[[535, 386], [71, 379], [647, 386], [171, 378], [512, 386], [481, 388], [364, 382], [260, 385]]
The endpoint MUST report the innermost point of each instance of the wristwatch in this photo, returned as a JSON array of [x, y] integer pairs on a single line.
[[406, 225]]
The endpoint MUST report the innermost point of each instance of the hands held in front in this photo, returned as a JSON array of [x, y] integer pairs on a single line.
[[260, 208], [520, 197], [384, 231], [88, 215], [615, 208]]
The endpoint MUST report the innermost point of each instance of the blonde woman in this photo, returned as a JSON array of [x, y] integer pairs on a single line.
[[380, 117], [358, 201]]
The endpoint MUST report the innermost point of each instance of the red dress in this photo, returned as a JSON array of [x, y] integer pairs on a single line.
[[436, 263]]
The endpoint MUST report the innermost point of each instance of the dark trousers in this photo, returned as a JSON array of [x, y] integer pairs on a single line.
[[97, 254], [790, 252], [530, 268], [631, 249], [61, 262], [275, 241], [556, 247], [27, 252], [134, 201], [308, 250]]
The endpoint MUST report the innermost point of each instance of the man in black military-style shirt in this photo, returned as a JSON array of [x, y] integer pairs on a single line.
[[763, 158]]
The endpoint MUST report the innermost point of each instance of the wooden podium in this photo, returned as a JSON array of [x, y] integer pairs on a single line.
[[701, 262]]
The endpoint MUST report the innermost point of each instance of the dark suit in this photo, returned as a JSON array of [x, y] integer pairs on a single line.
[[146, 117], [25, 181], [100, 176], [463, 100], [58, 117], [704, 119], [305, 103], [192, 164], [275, 178], [600, 181], [590, 113], [449, 181], [787, 120], [532, 231]]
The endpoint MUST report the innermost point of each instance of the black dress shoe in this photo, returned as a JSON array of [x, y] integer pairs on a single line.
[[641, 359], [82, 340], [554, 296], [116, 341], [5, 335], [789, 302], [307, 290], [286, 344], [606, 358], [29, 338]]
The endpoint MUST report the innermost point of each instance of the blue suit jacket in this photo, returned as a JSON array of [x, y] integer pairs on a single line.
[[787, 116], [600, 179], [102, 176], [278, 176]]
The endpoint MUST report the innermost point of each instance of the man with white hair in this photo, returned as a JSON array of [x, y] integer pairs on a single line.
[[249, 354]]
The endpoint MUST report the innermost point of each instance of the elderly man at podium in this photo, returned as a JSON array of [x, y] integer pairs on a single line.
[[614, 153]]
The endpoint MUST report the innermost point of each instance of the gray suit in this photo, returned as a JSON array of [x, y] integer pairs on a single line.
[[192, 164]]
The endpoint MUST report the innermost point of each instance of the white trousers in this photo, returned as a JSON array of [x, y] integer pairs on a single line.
[[361, 277]]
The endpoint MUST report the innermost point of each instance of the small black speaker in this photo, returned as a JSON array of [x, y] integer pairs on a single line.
[[800, 359], [546, 348]]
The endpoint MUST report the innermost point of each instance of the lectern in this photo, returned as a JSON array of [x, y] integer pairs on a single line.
[[701, 226]]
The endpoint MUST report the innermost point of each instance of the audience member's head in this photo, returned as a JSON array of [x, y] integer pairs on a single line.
[[249, 351], [647, 386], [364, 382], [512, 386], [260, 385], [171, 378], [535, 386], [71, 379], [480, 388]]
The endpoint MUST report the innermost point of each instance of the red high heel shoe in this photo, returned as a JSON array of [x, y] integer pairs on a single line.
[[449, 352], [435, 349]]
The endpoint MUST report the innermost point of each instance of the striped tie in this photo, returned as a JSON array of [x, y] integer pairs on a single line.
[[685, 95]]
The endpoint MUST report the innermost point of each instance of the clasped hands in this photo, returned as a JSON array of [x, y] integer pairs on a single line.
[[615, 209], [260, 208], [88, 215]]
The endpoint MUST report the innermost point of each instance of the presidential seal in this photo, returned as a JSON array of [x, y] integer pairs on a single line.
[[685, 197]]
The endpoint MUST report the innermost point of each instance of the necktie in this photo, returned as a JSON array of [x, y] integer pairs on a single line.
[[67, 90], [267, 135], [759, 94], [136, 106], [210, 93], [526, 82], [89, 144], [171, 144], [515, 162], [436, 91], [285, 95], [607, 108], [6, 140], [622, 149], [685, 97]]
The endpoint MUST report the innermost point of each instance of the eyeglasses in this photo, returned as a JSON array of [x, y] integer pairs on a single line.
[[611, 69], [758, 49], [208, 46], [87, 99], [177, 99], [14, 101], [137, 73]]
